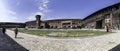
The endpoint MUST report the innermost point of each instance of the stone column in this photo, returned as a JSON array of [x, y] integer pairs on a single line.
[[38, 21]]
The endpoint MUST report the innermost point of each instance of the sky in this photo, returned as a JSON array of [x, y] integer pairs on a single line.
[[25, 10]]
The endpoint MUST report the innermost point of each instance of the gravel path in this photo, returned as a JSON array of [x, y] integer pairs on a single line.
[[38, 43]]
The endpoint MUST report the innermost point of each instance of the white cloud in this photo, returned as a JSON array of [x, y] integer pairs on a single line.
[[11, 12], [42, 5], [32, 17], [6, 15], [43, 9]]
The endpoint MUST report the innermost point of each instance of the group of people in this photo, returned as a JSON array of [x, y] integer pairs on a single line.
[[15, 31]]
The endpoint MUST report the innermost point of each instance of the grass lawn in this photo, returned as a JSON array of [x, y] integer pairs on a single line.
[[65, 33]]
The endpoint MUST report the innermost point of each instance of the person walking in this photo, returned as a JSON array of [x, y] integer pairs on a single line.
[[16, 32]]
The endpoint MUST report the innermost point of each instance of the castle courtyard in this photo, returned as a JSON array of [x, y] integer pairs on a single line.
[[42, 43], [60, 25]]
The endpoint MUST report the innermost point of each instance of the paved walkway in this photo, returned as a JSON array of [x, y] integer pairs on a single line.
[[8, 44], [38, 43], [4, 43]]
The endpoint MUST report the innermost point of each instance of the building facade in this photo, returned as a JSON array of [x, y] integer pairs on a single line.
[[64, 23], [11, 25], [106, 16], [34, 24], [54, 24]]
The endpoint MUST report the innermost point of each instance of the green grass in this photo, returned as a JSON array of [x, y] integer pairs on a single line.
[[65, 33]]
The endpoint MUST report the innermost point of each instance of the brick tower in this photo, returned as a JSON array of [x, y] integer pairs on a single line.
[[38, 21]]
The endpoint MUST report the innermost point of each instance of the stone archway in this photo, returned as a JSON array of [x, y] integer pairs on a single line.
[[99, 24]]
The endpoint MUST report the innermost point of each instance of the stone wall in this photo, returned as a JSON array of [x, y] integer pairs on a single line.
[[12, 25], [112, 13], [55, 24]]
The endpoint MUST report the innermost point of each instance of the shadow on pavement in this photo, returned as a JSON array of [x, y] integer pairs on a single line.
[[16, 46], [19, 38], [116, 48]]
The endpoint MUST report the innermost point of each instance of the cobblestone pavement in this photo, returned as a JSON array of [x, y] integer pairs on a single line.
[[38, 43]]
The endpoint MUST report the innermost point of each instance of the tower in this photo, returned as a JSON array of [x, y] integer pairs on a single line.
[[38, 21]]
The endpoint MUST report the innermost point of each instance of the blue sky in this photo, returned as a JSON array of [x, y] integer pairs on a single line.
[[25, 10]]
